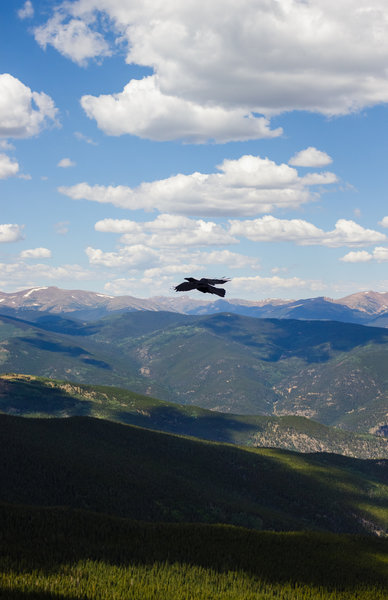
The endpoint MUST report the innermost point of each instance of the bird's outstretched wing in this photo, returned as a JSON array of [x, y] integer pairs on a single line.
[[185, 286], [215, 281]]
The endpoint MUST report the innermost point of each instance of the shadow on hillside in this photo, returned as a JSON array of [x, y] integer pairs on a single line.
[[33, 397], [214, 427], [74, 351], [312, 341], [59, 324], [48, 538]]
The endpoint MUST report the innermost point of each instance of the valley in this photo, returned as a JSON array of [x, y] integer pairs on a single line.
[[221, 454], [332, 372]]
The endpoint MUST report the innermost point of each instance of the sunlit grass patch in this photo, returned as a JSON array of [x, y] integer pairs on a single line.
[[97, 580]]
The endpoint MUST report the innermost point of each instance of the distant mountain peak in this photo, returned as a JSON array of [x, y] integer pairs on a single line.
[[368, 308], [370, 302]]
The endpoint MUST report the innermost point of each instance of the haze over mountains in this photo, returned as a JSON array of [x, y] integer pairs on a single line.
[[367, 308]]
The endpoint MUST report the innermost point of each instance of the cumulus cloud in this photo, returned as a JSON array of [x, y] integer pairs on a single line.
[[303, 233], [35, 253], [141, 109], [27, 11], [310, 157], [320, 178], [74, 38], [357, 256], [23, 113], [247, 186], [167, 231], [8, 167], [265, 58], [384, 222], [379, 254], [65, 163], [139, 257], [30, 275], [10, 232], [135, 257]]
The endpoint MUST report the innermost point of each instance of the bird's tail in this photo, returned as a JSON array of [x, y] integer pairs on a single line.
[[218, 291]]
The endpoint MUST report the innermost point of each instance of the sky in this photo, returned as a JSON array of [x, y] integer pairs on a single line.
[[142, 142]]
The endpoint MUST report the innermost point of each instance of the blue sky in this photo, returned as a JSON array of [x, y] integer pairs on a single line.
[[143, 142]]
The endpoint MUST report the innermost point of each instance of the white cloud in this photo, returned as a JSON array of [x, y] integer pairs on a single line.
[[379, 254], [168, 230], [36, 253], [141, 109], [384, 222], [261, 58], [134, 257], [310, 157], [119, 226], [303, 233], [73, 38], [27, 12], [139, 257], [247, 186], [10, 232], [65, 163], [30, 275], [123, 287], [8, 167], [231, 260], [320, 178], [23, 113], [357, 256]]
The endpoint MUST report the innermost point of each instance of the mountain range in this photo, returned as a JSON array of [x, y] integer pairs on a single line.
[[118, 491], [367, 308], [332, 372]]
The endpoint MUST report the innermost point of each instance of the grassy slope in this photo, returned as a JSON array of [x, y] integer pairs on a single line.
[[37, 397], [135, 473], [81, 554]]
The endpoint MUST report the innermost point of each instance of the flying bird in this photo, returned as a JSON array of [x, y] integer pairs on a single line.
[[206, 286]]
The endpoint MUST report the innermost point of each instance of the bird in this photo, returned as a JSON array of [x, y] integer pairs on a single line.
[[206, 286]]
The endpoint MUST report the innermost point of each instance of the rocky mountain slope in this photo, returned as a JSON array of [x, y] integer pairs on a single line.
[[30, 396], [368, 308]]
